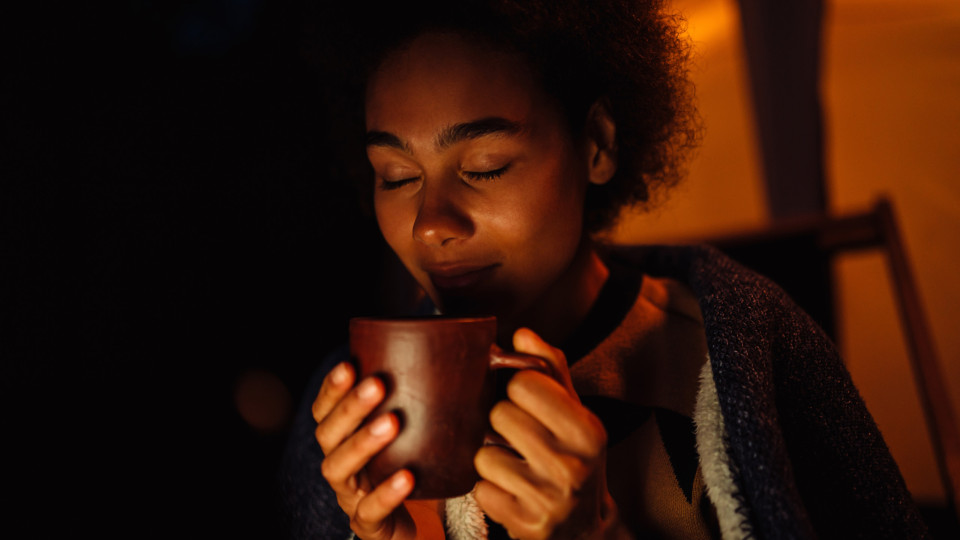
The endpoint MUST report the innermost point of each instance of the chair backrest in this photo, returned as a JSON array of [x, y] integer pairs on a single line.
[[798, 255]]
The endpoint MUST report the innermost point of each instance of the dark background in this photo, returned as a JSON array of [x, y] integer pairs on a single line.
[[171, 221], [168, 222]]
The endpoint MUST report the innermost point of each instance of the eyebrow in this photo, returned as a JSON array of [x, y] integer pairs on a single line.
[[389, 140], [493, 125], [450, 135]]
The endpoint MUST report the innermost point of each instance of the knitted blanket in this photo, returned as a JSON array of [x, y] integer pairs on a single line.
[[808, 458]]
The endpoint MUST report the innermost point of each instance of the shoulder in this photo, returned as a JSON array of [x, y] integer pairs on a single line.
[[752, 326], [720, 285], [696, 265], [671, 296]]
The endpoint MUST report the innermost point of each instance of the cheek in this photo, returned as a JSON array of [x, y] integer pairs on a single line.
[[541, 230], [553, 212], [392, 221]]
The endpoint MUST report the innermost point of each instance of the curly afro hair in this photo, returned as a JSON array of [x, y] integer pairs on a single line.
[[631, 54]]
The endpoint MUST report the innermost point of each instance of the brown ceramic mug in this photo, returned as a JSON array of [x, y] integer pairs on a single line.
[[440, 378]]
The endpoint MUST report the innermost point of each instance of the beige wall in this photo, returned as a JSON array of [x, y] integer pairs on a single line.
[[891, 94]]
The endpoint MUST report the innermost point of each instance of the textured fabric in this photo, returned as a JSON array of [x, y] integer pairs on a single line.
[[463, 519], [715, 462], [641, 380], [310, 508], [802, 454], [660, 497], [808, 459]]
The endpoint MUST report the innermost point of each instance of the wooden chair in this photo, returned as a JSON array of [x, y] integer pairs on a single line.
[[798, 256]]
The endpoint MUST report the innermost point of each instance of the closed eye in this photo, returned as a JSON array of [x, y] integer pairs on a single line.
[[388, 185], [486, 175]]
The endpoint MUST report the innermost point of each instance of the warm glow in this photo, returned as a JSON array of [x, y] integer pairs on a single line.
[[890, 86], [708, 21], [263, 401]]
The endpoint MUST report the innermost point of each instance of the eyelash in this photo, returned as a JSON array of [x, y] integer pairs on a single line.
[[388, 185], [487, 175]]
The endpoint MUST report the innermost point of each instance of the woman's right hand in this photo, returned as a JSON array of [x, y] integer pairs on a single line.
[[376, 512]]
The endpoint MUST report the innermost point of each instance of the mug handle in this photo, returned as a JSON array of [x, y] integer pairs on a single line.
[[501, 359]]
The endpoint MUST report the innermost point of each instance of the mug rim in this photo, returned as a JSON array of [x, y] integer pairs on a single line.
[[406, 319]]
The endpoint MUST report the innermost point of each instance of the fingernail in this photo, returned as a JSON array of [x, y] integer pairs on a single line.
[[381, 426], [399, 481], [339, 375], [368, 389]]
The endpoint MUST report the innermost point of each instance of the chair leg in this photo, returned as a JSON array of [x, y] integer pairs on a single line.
[[934, 397]]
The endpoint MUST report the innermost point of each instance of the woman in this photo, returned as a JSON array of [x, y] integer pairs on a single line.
[[693, 399]]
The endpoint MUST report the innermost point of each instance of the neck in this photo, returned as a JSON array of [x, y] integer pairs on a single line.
[[565, 304]]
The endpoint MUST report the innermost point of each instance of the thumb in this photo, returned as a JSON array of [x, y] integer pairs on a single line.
[[527, 341]]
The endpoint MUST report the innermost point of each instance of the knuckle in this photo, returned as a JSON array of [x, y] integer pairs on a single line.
[[594, 422], [581, 440], [316, 409], [363, 398], [523, 384], [350, 406], [481, 459], [540, 501], [345, 503], [537, 528], [591, 435], [360, 517], [500, 413], [357, 526], [327, 398], [320, 409], [363, 519], [599, 446], [521, 379], [571, 476], [599, 435], [324, 438], [329, 472]]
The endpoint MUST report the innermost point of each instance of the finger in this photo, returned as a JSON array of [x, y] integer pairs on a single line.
[[374, 509], [574, 426], [527, 341], [545, 456], [349, 413], [335, 385], [520, 430], [342, 465], [511, 474], [504, 508]]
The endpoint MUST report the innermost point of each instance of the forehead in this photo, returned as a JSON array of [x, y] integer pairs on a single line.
[[445, 78]]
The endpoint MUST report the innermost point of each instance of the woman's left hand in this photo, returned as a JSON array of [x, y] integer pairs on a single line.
[[556, 487]]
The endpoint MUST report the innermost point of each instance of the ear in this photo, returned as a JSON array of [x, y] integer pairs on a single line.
[[601, 143]]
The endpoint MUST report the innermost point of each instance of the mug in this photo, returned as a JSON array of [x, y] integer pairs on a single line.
[[440, 379]]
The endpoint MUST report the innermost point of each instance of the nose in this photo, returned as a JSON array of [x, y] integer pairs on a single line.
[[441, 219]]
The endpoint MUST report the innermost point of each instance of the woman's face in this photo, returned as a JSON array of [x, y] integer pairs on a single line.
[[479, 184]]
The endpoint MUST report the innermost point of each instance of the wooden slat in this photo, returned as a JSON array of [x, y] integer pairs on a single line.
[[934, 396]]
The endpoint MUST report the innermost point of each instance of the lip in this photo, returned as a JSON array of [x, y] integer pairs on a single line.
[[459, 275]]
